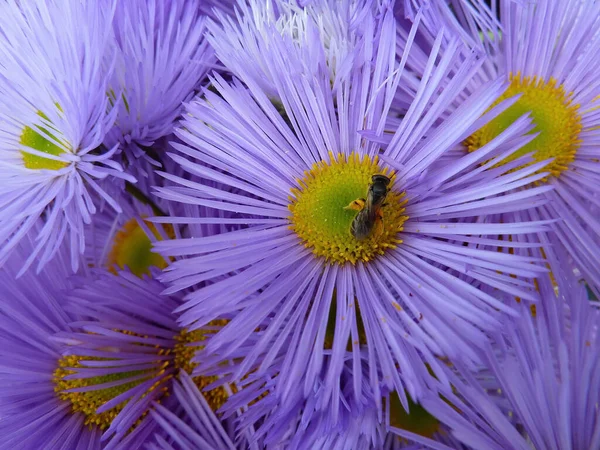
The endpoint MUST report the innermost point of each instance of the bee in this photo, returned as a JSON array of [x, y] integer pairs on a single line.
[[370, 215]]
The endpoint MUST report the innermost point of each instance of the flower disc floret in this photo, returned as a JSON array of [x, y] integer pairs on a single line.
[[320, 217], [556, 119]]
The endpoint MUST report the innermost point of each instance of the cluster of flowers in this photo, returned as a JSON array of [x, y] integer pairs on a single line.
[[318, 224]]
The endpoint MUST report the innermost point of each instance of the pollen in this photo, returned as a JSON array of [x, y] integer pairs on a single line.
[[556, 119], [132, 248], [42, 139], [320, 217]]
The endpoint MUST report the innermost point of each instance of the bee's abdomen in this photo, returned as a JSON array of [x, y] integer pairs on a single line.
[[361, 225]]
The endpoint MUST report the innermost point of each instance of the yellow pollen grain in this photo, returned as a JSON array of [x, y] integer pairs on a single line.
[[556, 119], [318, 214]]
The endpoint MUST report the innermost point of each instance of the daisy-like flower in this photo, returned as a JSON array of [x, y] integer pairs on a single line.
[[199, 428], [31, 312], [126, 354], [404, 290], [546, 366], [161, 58], [549, 52], [53, 119]]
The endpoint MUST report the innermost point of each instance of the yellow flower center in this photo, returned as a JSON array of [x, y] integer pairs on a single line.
[[40, 139], [169, 362], [133, 248], [89, 401], [320, 216], [555, 118]]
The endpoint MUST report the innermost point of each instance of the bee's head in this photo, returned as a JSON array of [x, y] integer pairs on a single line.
[[380, 179]]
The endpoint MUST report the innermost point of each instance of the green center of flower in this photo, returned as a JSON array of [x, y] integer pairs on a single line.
[[40, 138], [133, 248], [322, 219], [555, 118], [169, 362], [417, 420]]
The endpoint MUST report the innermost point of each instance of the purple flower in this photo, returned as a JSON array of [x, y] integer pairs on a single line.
[[96, 368], [547, 369], [53, 118], [161, 58], [126, 353], [549, 51], [285, 141], [31, 312]]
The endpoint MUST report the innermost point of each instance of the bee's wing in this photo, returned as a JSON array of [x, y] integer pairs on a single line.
[[363, 223]]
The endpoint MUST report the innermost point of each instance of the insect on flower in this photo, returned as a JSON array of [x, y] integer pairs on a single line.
[[370, 215]]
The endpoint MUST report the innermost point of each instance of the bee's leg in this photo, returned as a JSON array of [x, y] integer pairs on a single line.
[[378, 227], [356, 205]]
